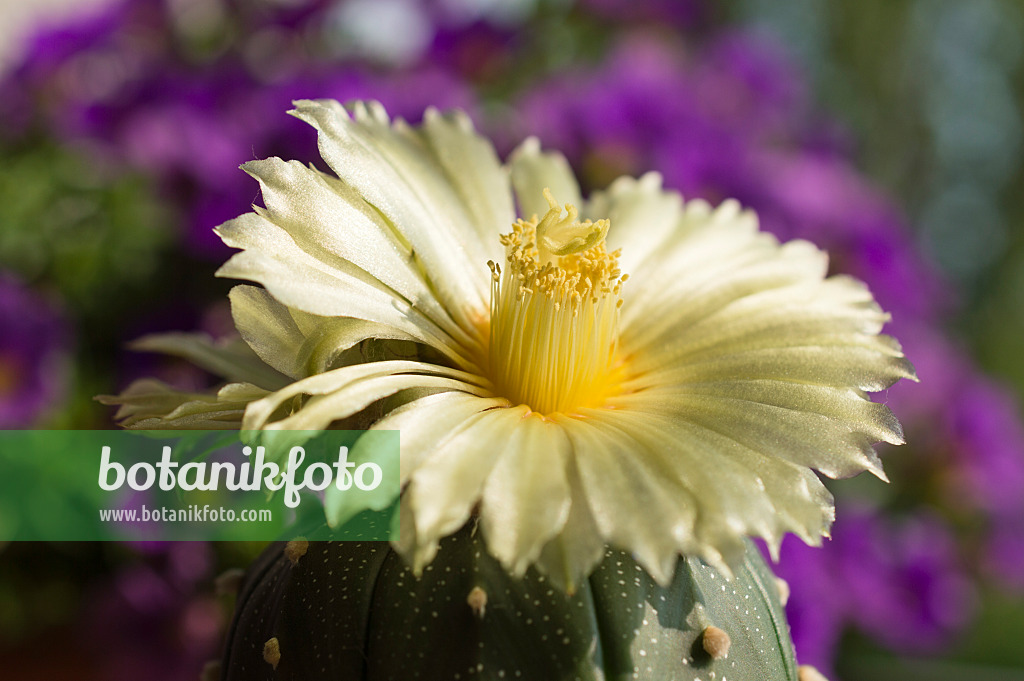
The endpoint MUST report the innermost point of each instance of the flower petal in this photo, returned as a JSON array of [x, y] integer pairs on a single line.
[[616, 472], [797, 316], [838, 448], [272, 258], [801, 503], [533, 171], [268, 328], [526, 499], [869, 363], [428, 422], [353, 387], [294, 342], [231, 359], [395, 174], [643, 217], [738, 492], [321, 411], [330, 222], [148, 404], [578, 548], [762, 348], [444, 489], [474, 170], [711, 265]]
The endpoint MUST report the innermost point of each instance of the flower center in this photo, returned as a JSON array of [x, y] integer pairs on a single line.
[[555, 312]]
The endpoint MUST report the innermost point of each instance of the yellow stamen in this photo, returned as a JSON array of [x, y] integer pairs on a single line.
[[555, 312]]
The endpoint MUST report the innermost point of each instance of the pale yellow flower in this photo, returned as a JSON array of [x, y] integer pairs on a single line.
[[651, 374]]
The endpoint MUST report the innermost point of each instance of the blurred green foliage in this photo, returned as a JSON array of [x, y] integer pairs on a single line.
[[85, 229], [932, 91]]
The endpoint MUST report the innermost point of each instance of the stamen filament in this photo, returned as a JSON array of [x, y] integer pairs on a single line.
[[554, 312]]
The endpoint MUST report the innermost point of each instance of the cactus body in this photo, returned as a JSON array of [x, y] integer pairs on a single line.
[[354, 611]]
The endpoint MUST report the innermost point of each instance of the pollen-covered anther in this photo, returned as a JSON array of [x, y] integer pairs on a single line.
[[296, 549], [477, 601], [555, 311], [272, 652], [716, 643]]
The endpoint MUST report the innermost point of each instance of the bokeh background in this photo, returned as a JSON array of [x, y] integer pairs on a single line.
[[888, 131]]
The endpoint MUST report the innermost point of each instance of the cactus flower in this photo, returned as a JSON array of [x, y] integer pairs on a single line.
[[632, 369]]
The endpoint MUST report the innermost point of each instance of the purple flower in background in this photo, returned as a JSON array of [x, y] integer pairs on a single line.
[[988, 449], [479, 53], [988, 442], [658, 100], [801, 195], [124, 84], [1004, 554], [147, 621], [899, 581], [965, 429], [84, 59], [732, 121], [747, 81], [194, 130], [33, 361], [677, 12]]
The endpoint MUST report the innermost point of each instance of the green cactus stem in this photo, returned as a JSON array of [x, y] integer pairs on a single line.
[[354, 611]]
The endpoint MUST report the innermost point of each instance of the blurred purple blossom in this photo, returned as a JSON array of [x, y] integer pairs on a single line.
[[194, 130], [732, 121], [902, 582], [33, 355], [121, 83], [987, 440], [966, 447], [147, 621], [681, 13], [1004, 554], [478, 53]]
